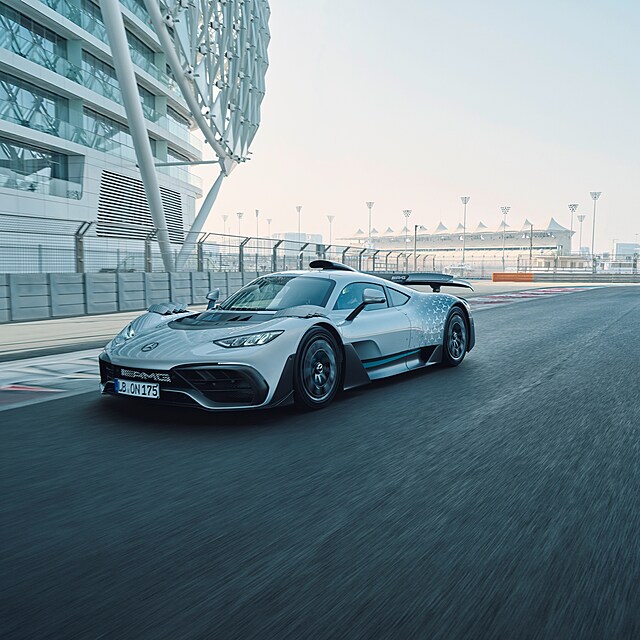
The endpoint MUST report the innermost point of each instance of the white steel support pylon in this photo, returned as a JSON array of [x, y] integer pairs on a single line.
[[117, 35], [198, 223], [217, 52]]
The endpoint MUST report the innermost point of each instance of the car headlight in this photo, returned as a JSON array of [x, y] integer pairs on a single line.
[[251, 340], [126, 334]]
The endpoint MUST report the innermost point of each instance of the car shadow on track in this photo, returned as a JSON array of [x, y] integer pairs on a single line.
[[133, 413], [145, 414]]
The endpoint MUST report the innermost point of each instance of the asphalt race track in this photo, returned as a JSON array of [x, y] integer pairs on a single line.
[[500, 499]]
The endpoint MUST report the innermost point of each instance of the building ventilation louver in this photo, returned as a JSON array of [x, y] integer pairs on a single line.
[[123, 211]]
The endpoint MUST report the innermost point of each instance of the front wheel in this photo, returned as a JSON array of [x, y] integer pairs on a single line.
[[317, 370], [456, 339]]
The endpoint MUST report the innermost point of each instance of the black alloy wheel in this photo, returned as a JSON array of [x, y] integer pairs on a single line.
[[318, 370], [454, 348]]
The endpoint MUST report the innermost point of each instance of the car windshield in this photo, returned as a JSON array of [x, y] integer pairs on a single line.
[[273, 293]]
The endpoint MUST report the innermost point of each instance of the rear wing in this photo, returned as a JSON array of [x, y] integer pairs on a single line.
[[433, 280]]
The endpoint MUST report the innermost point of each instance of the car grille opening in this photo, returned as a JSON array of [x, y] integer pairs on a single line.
[[107, 371], [222, 385]]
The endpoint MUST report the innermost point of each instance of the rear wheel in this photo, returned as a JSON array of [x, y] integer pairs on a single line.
[[317, 370], [456, 338]]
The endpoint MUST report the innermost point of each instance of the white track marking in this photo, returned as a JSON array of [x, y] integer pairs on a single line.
[[528, 294], [47, 378]]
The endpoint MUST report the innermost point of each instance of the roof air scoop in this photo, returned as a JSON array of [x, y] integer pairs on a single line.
[[329, 265]]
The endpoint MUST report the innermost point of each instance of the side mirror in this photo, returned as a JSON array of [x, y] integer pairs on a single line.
[[372, 296], [212, 297], [369, 296]]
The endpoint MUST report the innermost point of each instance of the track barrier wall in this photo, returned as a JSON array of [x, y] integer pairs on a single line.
[[41, 296]]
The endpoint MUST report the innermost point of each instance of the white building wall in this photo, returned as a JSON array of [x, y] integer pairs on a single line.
[[43, 202]]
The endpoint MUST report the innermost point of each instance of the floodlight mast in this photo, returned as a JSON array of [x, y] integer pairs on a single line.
[[369, 206], [464, 200], [299, 210], [406, 213], [504, 210], [572, 208], [594, 196], [330, 219], [581, 218]]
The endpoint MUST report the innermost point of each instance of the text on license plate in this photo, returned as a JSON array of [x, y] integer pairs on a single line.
[[139, 389]]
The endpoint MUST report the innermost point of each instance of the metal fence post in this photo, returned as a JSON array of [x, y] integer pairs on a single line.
[[241, 254], [360, 259], [200, 251], [148, 255], [79, 245], [301, 254], [344, 255], [274, 255], [200, 256], [373, 260], [148, 263]]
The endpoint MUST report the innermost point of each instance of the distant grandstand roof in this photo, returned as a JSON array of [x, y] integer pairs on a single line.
[[441, 228], [359, 232], [481, 226], [554, 226], [526, 225], [503, 225], [460, 227], [389, 230], [374, 231], [422, 228]]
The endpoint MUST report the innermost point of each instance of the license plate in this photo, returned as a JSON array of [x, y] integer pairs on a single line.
[[138, 389]]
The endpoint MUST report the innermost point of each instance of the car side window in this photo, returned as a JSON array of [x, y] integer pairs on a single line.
[[351, 296], [397, 298]]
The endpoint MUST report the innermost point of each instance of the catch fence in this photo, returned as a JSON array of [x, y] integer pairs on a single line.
[[42, 245]]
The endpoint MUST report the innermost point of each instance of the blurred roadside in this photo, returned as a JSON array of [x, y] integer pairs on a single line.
[[49, 337]]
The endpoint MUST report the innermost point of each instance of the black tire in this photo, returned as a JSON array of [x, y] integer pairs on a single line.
[[317, 371], [456, 339]]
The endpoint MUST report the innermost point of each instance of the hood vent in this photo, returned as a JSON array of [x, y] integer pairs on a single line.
[[216, 319]]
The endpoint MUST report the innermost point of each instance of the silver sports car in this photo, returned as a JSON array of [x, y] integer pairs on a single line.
[[297, 336]]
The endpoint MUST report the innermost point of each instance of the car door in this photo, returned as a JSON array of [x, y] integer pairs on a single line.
[[380, 334]]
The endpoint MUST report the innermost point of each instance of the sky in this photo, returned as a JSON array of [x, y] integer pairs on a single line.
[[530, 104]]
